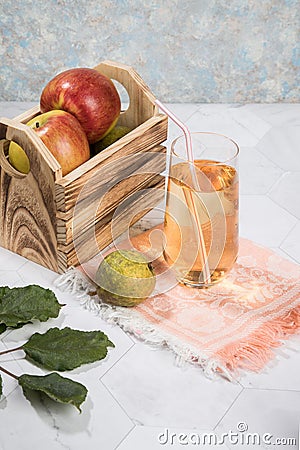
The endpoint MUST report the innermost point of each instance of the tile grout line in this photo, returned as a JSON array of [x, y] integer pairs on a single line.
[[5, 397], [291, 214], [191, 115], [282, 241], [119, 359], [281, 206], [269, 159], [271, 389], [125, 437], [118, 403], [246, 128], [269, 191], [287, 254], [229, 408]]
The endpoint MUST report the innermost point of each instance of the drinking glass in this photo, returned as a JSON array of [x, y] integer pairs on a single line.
[[201, 217]]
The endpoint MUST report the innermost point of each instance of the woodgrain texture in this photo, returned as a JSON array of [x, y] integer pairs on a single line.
[[59, 221], [96, 238], [106, 189], [143, 138], [142, 102], [27, 202]]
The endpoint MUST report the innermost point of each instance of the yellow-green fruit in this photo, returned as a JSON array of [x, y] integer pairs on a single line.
[[116, 133], [18, 158], [124, 278]]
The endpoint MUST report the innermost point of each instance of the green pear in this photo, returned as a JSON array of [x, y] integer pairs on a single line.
[[124, 278], [116, 133]]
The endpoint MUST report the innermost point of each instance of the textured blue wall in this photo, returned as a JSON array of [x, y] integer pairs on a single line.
[[186, 50]]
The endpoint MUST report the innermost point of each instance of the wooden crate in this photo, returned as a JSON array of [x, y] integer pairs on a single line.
[[62, 221]]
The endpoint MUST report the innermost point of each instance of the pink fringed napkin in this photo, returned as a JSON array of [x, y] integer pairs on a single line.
[[233, 325]]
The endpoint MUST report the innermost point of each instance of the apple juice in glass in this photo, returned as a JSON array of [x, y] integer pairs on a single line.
[[202, 200]]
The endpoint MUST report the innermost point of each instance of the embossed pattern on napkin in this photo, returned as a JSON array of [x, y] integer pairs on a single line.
[[233, 325]]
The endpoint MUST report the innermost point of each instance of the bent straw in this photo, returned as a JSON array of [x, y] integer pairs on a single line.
[[189, 148]]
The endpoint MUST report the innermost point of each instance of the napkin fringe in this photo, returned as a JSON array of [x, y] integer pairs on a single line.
[[77, 283], [257, 349], [252, 353], [73, 281]]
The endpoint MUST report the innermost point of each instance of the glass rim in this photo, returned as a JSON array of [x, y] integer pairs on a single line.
[[185, 158]]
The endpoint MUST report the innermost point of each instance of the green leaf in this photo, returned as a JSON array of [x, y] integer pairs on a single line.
[[3, 291], [65, 349], [2, 327], [58, 388], [24, 304]]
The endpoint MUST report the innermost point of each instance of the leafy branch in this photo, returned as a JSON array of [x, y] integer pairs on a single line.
[[57, 349], [7, 373], [10, 350]]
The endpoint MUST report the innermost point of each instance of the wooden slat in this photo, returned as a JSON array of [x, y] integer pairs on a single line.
[[62, 259], [66, 231], [115, 179], [97, 238], [148, 135], [144, 138]]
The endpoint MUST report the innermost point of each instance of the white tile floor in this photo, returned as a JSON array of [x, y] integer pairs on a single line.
[[137, 394]]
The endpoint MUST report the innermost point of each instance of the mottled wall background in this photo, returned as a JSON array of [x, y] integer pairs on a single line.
[[186, 50]]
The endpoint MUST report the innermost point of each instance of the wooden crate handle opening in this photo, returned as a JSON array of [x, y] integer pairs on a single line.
[[27, 201], [11, 130], [141, 100]]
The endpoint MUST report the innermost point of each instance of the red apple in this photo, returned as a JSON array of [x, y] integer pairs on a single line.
[[87, 94], [64, 137]]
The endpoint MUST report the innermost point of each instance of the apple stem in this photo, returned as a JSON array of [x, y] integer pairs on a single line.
[[37, 125]]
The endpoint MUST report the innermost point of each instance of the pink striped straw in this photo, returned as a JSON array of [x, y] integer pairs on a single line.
[[189, 149]]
